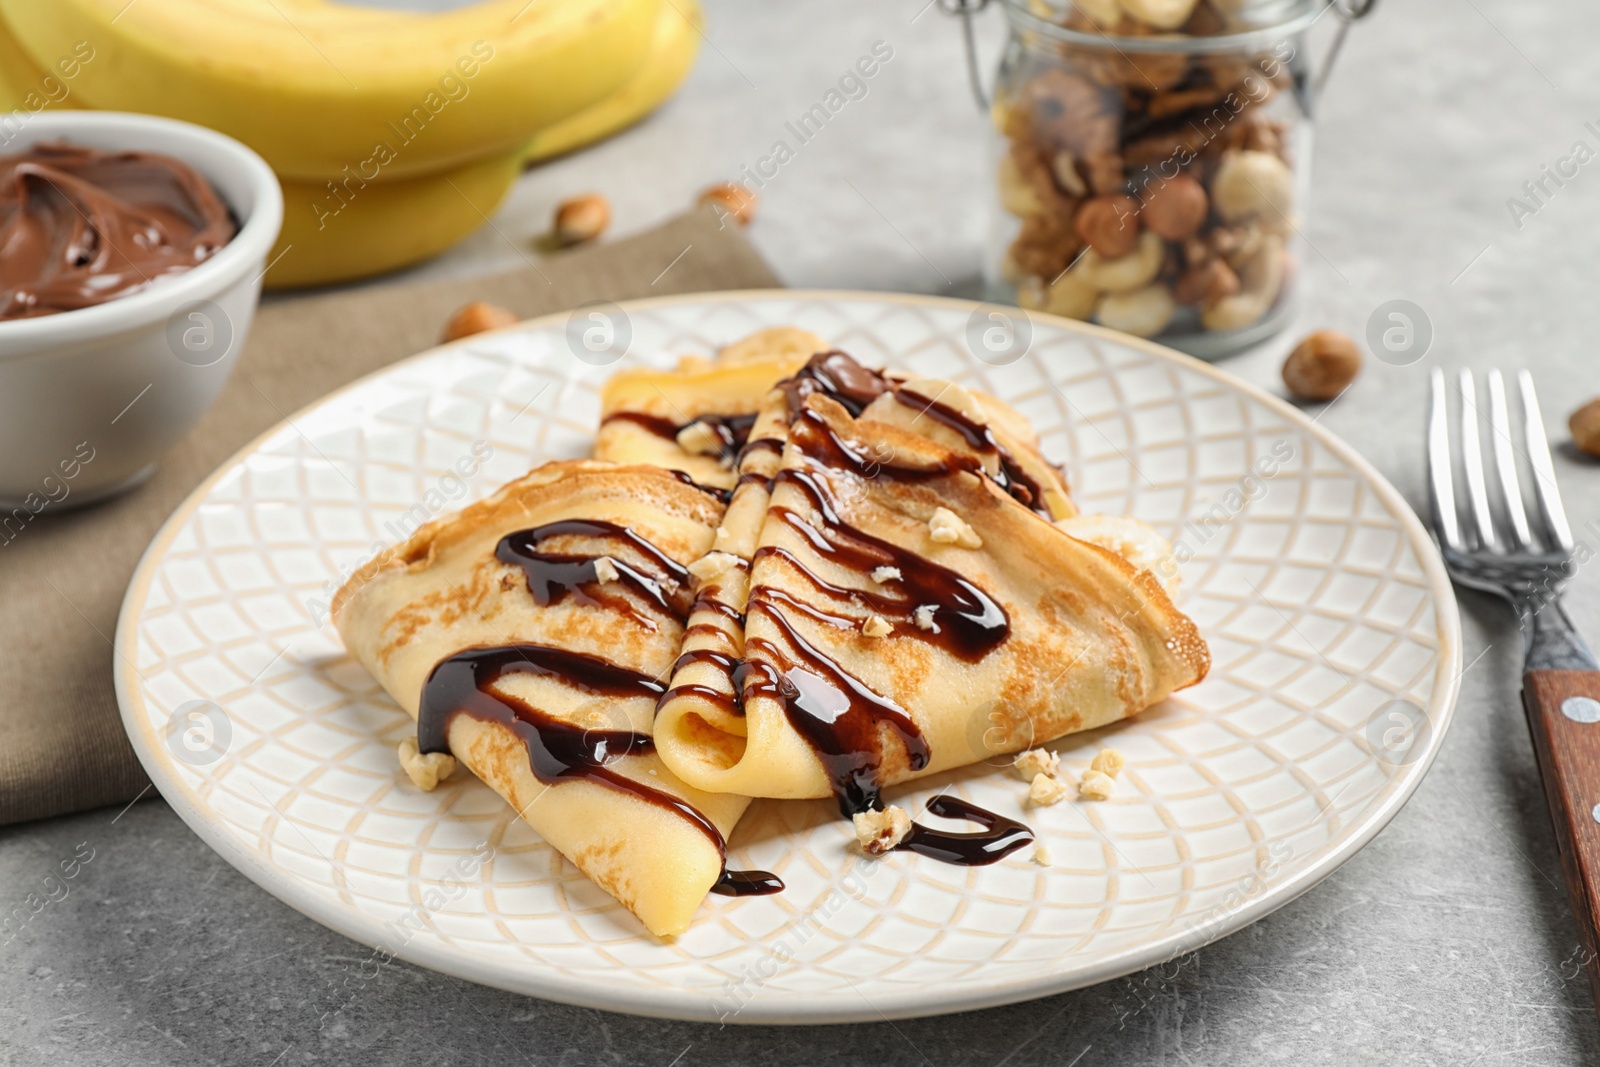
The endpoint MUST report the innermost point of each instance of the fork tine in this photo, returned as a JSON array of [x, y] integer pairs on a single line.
[[1544, 472], [1472, 459], [1505, 461], [1441, 472]]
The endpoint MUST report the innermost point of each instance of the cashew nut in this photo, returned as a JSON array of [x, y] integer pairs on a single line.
[[1105, 14], [1069, 296], [1137, 268], [1260, 280], [1252, 184], [1065, 166], [1142, 312], [1162, 14], [1016, 195]]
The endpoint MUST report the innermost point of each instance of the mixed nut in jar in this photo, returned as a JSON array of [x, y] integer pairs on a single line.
[[1152, 165]]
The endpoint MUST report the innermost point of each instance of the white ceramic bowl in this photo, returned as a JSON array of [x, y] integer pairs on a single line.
[[90, 399]]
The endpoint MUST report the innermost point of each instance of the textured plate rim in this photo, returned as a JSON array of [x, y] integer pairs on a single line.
[[810, 1009]]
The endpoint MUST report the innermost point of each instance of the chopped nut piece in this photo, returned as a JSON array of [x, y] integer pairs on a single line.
[[880, 831], [723, 540], [948, 528], [1095, 785], [1036, 761], [583, 218], [425, 772], [605, 570], [924, 617], [700, 439], [1045, 790], [1041, 855], [712, 564], [1109, 762], [877, 626], [886, 574], [476, 317]]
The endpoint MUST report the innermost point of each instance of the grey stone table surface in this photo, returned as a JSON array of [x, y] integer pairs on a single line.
[[1446, 941]]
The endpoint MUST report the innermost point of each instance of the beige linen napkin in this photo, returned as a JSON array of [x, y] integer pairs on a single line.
[[62, 748]]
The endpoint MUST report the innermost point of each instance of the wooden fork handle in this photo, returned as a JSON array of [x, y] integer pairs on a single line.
[[1564, 716]]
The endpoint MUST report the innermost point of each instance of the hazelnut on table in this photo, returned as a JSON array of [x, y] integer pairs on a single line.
[[476, 317], [1322, 366], [1585, 427], [583, 218], [732, 199]]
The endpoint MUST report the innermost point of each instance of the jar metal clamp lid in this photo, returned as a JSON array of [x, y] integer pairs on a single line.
[[1268, 18]]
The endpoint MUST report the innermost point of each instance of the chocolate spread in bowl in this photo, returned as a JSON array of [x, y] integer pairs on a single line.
[[80, 226]]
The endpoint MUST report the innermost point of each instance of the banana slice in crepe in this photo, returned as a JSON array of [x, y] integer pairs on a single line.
[[907, 615], [696, 418], [529, 634]]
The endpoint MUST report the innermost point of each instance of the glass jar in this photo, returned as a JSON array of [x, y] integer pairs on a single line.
[[1152, 162]]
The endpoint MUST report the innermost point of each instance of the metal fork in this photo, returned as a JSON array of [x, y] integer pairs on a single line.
[[1494, 547]]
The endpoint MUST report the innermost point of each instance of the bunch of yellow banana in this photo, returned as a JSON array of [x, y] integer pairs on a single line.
[[393, 133]]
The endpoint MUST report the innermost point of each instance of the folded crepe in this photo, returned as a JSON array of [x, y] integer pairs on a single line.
[[696, 418], [897, 594], [700, 417], [530, 634]]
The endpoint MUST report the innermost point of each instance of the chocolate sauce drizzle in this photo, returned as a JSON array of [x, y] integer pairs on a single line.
[[1011, 476], [463, 684], [999, 838], [747, 884], [844, 720], [837, 375], [967, 622], [731, 430], [552, 577]]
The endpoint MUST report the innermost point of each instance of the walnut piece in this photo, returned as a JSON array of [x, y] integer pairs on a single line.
[[425, 771], [885, 574], [605, 570], [923, 616], [880, 831], [877, 626], [1041, 855]]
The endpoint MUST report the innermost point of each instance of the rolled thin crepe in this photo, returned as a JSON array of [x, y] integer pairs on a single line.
[[883, 642]]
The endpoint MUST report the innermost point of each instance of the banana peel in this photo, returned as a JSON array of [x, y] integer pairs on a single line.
[[345, 227], [679, 28], [349, 232], [24, 85], [314, 86]]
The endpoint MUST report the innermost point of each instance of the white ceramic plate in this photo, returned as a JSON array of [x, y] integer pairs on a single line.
[[1332, 625]]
